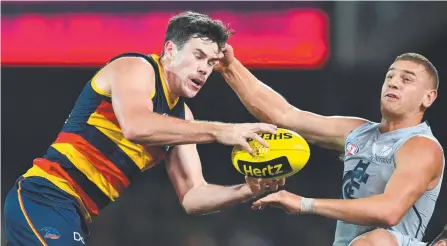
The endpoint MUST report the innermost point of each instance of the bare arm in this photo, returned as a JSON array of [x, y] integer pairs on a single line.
[[195, 194], [269, 106], [418, 168], [131, 81]]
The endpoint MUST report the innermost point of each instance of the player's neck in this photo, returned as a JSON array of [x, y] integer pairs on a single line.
[[168, 78], [168, 81], [391, 124]]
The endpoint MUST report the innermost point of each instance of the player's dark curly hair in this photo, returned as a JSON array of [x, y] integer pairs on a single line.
[[187, 25]]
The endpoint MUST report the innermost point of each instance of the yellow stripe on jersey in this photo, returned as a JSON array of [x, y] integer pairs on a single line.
[[87, 168], [135, 152], [61, 183], [96, 89], [153, 93], [171, 103], [103, 93]]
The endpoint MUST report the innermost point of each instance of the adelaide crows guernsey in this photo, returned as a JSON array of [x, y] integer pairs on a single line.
[[91, 159]]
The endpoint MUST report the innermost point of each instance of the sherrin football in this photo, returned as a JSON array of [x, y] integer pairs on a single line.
[[286, 155]]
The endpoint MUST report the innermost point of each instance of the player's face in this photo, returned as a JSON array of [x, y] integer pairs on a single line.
[[193, 64], [408, 89]]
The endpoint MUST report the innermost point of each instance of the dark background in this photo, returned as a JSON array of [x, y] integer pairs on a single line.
[[37, 100]]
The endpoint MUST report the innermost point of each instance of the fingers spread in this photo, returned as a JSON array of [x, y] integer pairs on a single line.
[[268, 128], [258, 138], [244, 145]]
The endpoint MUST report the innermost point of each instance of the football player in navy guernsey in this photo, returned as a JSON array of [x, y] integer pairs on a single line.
[[130, 116]]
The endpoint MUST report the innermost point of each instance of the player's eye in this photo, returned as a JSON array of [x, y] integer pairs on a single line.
[[212, 63], [406, 79]]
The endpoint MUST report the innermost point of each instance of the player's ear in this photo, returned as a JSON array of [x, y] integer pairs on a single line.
[[170, 49], [429, 98]]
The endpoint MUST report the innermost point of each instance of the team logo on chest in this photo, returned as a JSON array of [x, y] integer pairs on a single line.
[[354, 179], [384, 155], [351, 149], [386, 150]]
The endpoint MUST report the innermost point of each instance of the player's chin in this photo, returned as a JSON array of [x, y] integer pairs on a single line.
[[390, 109], [389, 104], [190, 92]]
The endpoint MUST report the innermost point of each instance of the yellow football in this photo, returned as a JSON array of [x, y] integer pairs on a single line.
[[286, 155]]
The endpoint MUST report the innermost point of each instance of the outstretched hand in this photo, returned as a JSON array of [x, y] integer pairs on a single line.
[[285, 200], [240, 134]]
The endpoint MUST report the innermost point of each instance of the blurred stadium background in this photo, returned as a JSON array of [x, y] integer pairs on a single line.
[[325, 57]]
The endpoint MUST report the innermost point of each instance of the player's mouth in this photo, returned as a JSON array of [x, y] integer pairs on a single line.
[[197, 83], [391, 96]]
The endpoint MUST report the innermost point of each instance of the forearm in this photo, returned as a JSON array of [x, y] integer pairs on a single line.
[[263, 102], [162, 130], [211, 198], [372, 211]]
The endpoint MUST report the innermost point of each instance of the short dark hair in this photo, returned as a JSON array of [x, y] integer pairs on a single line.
[[187, 25], [420, 59]]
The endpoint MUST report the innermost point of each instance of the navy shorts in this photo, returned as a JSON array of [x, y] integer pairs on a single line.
[[37, 212]]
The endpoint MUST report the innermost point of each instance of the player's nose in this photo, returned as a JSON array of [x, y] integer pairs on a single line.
[[393, 83], [204, 69]]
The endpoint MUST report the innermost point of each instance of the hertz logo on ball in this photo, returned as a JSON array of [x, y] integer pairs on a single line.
[[286, 155], [269, 169]]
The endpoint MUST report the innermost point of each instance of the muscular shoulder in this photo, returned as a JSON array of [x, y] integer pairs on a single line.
[[128, 66], [421, 145], [421, 150]]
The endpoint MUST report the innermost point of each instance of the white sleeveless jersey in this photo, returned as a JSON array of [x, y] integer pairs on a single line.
[[369, 162]]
